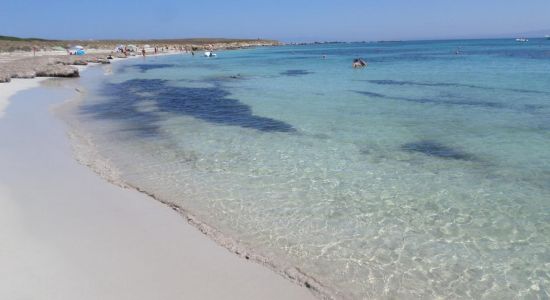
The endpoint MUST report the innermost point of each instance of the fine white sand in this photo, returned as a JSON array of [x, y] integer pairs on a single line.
[[65, 233]]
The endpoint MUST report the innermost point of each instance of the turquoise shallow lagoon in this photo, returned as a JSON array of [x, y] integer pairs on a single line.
[[425, 175]]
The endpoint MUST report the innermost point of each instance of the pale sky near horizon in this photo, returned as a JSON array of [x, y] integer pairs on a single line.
[[287, 20]]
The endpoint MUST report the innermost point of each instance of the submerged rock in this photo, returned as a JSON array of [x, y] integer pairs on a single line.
[[433, 148]]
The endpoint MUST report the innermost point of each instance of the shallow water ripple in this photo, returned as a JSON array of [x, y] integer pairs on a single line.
[[424, 176]]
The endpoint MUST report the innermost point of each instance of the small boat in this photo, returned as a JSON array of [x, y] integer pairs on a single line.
[[209, 54], [522, 40]]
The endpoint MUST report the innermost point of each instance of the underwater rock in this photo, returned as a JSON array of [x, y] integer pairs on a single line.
[[432, 148]]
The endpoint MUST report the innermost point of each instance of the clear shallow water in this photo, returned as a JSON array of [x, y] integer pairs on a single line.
[[425, 175]]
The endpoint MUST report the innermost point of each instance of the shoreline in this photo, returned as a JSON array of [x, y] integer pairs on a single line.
[[86, 153], [49, 59], [16, 84], [272, 285]]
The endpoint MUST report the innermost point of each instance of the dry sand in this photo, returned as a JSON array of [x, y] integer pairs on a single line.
[[65, 233]]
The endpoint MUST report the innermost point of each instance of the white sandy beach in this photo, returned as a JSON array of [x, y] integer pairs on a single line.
[[65, 233]]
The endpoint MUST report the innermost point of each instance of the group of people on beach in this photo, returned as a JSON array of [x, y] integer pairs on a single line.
[[126, 50]]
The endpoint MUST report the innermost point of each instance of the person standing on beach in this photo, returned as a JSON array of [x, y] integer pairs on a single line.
[[143, 51]]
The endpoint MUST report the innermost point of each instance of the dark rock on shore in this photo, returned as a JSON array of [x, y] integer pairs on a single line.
[[57, 71], [79, 62], [5, 78], [24, 74], [47, 66]]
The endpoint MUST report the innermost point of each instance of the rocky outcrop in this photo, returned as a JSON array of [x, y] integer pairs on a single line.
[[48, 66], [57, 71], [79, 62], [24, 74], [5, 78], [98, 60], [82, 60]]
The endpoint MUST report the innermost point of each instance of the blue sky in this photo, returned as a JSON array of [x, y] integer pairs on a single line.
[[288, 20]]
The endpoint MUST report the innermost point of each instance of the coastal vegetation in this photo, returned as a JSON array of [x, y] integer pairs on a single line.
[[12, 44]]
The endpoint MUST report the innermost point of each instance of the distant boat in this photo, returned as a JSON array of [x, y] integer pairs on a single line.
[[209, 54], [522, 40]]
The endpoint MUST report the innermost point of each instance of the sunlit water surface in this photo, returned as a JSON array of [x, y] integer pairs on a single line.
[[425, 175]]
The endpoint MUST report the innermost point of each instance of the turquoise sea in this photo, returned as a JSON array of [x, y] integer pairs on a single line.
[[425, 175]]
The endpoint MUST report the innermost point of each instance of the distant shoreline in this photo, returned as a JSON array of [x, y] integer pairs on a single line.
[[44, 58], [14, 44]]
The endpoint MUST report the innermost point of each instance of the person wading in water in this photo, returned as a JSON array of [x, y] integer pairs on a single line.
[[359, 63]]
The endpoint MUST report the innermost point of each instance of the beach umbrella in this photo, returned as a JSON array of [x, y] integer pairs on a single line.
[[132, 47]]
